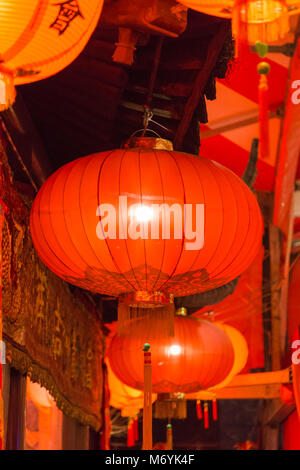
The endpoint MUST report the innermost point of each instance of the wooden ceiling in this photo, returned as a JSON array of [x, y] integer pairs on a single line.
[[96, 104]]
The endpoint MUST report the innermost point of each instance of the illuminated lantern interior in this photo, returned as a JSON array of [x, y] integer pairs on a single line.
[[252, 20], [199, 356]]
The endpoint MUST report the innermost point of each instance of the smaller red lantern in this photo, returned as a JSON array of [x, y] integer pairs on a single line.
[[199, 356]]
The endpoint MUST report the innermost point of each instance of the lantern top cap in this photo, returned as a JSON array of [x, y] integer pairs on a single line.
[[149, 143]]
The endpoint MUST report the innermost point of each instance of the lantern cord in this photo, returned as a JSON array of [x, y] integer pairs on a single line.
[[147, 416], [148, 115], [169, 436]]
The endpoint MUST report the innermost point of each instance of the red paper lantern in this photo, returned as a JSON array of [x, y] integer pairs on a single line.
[[252, 20], [83, 232], [199, 356], [39, 38]]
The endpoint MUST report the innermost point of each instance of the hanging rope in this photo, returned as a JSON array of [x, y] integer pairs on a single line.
[[147, 417], [263, 69]]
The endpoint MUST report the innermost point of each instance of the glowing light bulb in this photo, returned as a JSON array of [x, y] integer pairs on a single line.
[[143, 213], [175, 350]]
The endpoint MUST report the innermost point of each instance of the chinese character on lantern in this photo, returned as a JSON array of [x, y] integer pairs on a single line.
[[68, 11]]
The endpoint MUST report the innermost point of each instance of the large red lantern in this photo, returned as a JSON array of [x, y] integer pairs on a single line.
[[199, 356], [38, 38], [153, 223]]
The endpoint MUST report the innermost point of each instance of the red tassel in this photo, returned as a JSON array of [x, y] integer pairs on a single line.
[[206, 417], [199, 409], [136, 428], [263, 100], [215, 409], [130, 433]]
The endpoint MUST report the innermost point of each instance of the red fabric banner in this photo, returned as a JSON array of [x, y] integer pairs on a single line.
[[290, 149]]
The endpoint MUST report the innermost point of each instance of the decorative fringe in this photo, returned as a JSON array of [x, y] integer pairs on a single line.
[[206, 416], [130, 433], [215, 409], [169, 443], [170, 406], [147, 417], [136, 428], [199, 409], [23, 363], [124, 52], [263, 116], [147, 322]]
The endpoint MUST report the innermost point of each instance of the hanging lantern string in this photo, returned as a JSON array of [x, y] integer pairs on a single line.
[[148, 118], [147, 417], [169, 437], [263, 69]]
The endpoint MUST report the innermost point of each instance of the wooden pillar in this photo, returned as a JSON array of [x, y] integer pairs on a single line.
[[6, 389], [75, 436], [16, 411], [275, 246]]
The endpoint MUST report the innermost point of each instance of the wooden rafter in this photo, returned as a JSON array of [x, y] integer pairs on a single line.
[[200, 82]]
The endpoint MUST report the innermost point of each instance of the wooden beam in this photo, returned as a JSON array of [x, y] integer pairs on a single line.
[[262, 378], [261, 385], [283, 306], [250, 392], [265, 201], [278, 412], [233, 123], [202, 77]]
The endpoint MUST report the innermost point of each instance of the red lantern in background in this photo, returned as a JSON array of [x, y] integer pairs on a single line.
[[39, 38], [153, 223], [252, 20], [199, 356]]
